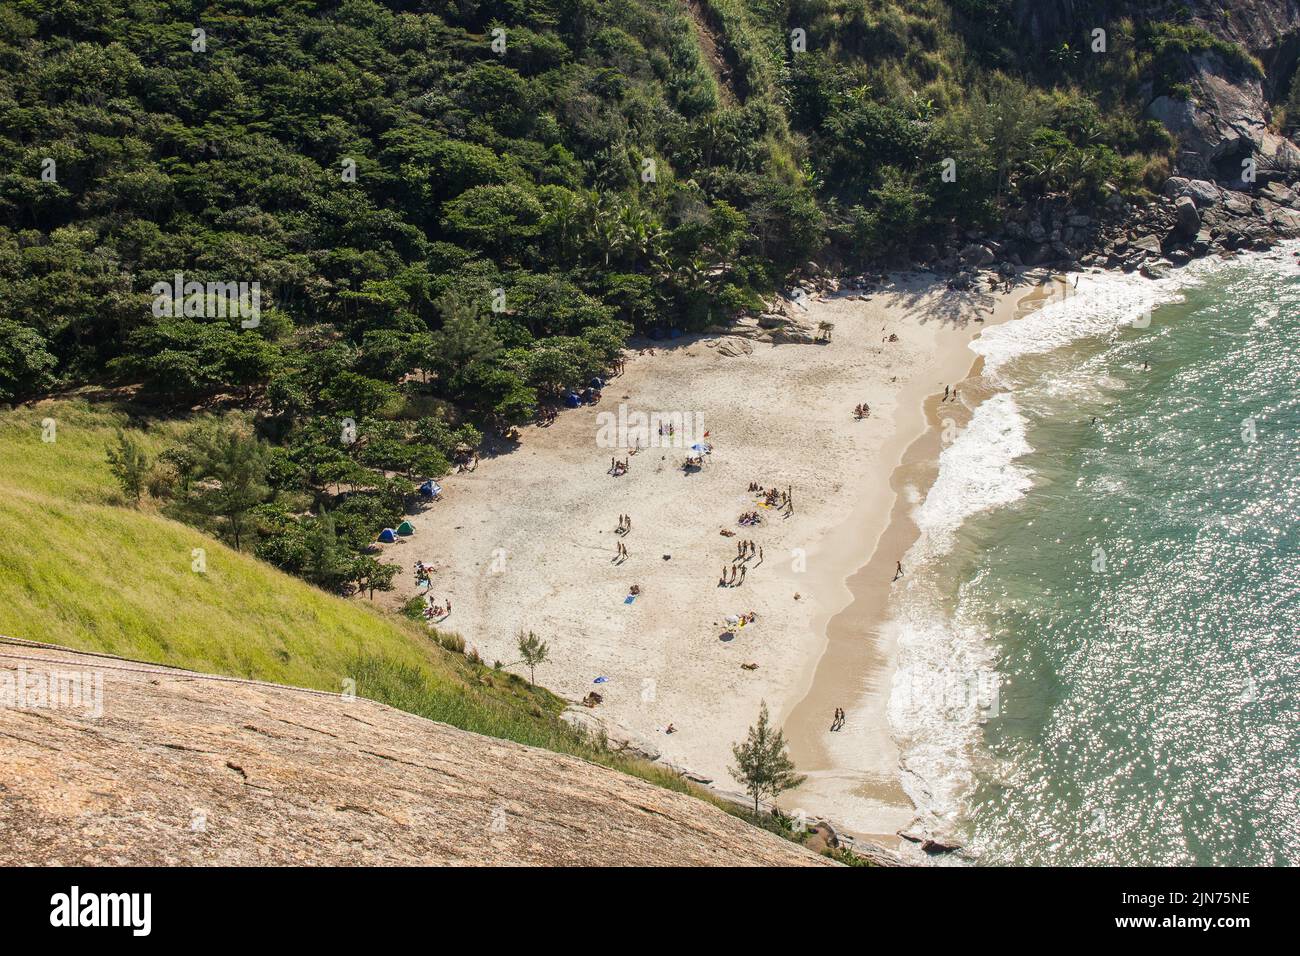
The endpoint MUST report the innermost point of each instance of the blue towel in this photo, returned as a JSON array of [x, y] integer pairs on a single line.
[[629, 599]]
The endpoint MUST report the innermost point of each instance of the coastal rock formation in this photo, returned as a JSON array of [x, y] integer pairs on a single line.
[[183, 768], [1222, 124]]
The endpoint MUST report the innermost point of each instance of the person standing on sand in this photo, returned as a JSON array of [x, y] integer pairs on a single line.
[[945, 393], [898, 572]]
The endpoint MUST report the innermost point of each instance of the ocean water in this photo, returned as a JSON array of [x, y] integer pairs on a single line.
[[1099, 636]]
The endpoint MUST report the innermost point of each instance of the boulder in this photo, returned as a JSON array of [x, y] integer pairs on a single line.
[[1148, 245], [1280, 194], [1235, 204], [976, 255], [1286, 222], [1189, 220], [1203, 192], [935, 845]]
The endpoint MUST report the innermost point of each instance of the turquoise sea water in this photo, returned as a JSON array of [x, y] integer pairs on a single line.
[[1139, 598]]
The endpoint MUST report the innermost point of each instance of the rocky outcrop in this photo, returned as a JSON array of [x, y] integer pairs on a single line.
[[183, 768], [1223, 128]]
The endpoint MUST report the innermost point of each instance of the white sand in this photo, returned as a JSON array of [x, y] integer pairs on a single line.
[[527, 540]]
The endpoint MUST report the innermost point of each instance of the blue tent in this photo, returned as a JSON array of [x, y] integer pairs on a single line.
[[430, 489], [572, 400], [388, 536]]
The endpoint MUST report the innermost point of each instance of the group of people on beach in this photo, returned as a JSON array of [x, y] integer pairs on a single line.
[[773, 498], [546, 415], [949, 393], [619, 468], [861, 411], [750, 518], [837, 723], [620, 552], [624, 524], [733, 576], [436, 612]]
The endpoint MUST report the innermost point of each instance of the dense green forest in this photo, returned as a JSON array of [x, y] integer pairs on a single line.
[[453, 212]]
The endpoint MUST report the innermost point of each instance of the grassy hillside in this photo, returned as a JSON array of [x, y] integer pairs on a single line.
[[80, 569]]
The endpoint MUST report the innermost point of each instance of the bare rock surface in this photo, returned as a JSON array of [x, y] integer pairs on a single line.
[[183, 768]]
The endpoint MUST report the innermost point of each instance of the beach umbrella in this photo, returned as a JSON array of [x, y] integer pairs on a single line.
[[702, 448]]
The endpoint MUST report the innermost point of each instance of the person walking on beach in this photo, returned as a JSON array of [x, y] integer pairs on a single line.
[[898, 572], [945, 393]]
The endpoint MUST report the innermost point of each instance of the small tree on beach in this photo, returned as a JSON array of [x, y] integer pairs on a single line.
[[762, 763], [533, 650]]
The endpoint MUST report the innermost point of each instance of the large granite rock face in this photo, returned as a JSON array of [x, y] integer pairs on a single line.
[[1228, 117], [183, 769], [1223, 124]]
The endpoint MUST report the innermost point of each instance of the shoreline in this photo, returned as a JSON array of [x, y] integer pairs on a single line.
[[855, 778]]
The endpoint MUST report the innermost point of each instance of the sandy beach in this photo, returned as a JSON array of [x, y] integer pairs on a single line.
[[527, 541]]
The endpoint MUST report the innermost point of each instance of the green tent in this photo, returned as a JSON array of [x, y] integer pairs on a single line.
[[405, 528]]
